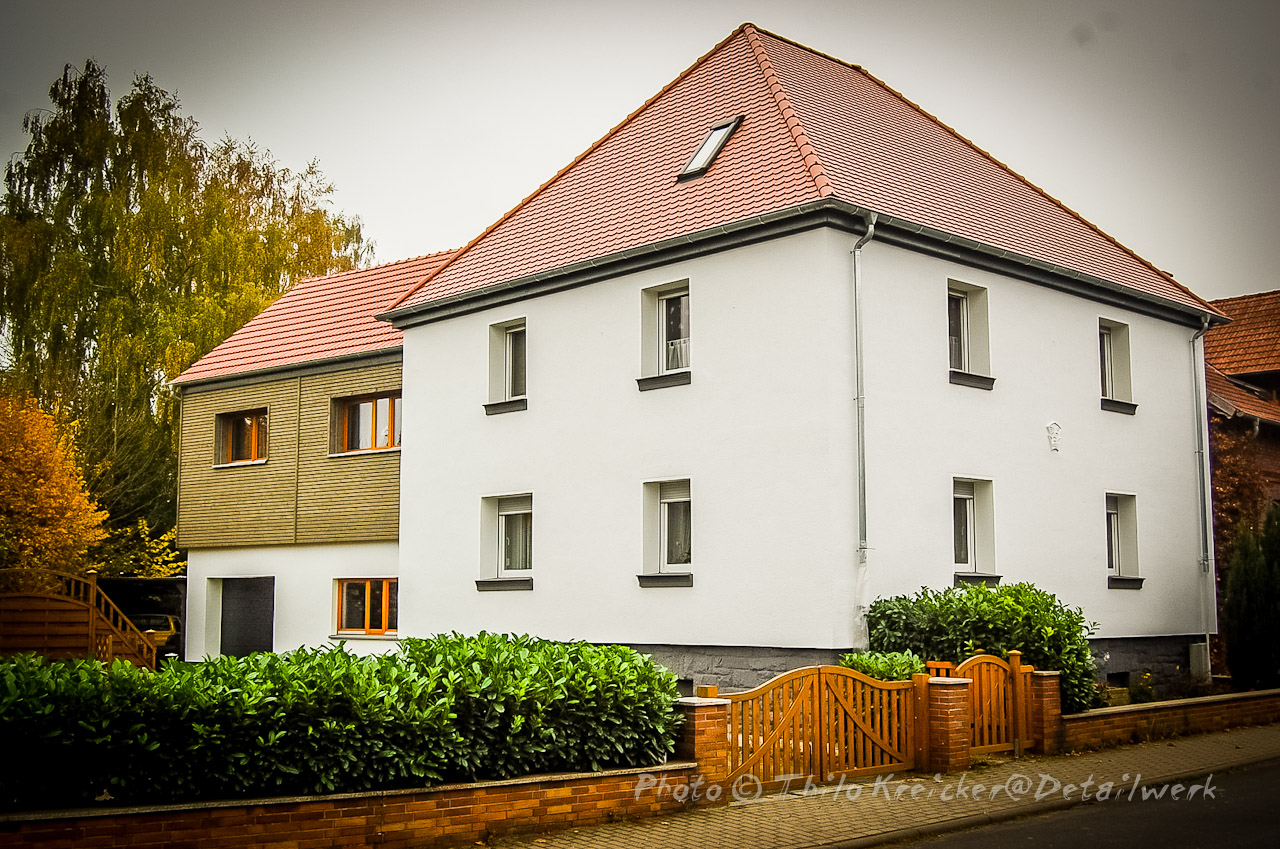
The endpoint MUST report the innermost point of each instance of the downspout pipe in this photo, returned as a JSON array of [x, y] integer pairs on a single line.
[[859, 417], [1207, 589]]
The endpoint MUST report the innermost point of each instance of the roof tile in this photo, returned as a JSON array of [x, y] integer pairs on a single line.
[[1251, 342]]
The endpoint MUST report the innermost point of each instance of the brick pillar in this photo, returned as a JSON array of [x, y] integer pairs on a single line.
[[1046, 712], [704, 737], [950, 724]]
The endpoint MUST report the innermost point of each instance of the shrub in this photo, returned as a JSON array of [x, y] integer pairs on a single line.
[[324, 721], [1253, 607], [884, 665], [961, 621]]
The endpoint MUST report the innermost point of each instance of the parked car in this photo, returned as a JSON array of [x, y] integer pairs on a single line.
[[164, 630]]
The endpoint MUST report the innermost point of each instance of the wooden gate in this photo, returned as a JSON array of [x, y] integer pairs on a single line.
[[1001, 710], [820, 723]]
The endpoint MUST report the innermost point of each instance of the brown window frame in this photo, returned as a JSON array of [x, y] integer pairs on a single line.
[[258, 437], [345, 408], [387, 585]]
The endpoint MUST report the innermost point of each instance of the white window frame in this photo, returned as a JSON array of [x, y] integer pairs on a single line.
[[975, 339], [1121, 540], [1114, 366], [665, 342], [979, 516], [508, 509], [653, 341], [501, 366], [511, 365], [667, 498]]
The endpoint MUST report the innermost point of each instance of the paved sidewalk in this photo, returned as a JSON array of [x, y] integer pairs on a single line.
[[875, 811]]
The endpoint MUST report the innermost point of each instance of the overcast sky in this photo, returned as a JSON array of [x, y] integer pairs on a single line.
[[1157, 120]]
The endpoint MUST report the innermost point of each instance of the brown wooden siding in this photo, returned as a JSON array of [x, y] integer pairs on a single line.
[[345, 498], [302, 493]]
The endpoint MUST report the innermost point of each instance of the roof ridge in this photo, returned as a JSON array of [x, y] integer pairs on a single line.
[[1001, 165], [566, 169], [813, 163], [1258, 295]]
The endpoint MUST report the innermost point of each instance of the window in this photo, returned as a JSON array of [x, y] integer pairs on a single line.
[[1122, 541], [507, 367], [368, 422], [709, 149], [515, 536], [968, 346], [368, 606], [242, 437], [665, 329], [973, 531], [1113, 367], [668, 534]]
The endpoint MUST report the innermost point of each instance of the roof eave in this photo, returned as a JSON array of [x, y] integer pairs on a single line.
[[828, 211], [321, 364]]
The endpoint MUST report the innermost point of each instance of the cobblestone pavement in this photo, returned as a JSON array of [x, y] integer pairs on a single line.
[[890, 808]]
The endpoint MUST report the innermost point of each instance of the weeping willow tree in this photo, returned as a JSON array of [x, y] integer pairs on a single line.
[[129, 248]]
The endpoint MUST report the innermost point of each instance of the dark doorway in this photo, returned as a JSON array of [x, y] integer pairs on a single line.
[[248, 615]]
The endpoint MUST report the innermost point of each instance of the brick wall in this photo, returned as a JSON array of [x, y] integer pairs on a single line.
[[1134, 723]]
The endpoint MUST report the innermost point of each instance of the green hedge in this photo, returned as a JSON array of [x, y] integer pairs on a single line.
[[884, 665], [961, 621], [323, 720]]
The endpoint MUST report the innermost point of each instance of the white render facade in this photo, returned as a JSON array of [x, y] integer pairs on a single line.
[[765, 434]]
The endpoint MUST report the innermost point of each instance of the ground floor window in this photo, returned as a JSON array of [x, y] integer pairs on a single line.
[[367, 605]]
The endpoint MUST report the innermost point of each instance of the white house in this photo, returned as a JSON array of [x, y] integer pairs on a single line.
[[777, 345]]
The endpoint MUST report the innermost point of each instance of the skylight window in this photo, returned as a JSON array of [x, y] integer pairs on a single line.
[[711, 146]]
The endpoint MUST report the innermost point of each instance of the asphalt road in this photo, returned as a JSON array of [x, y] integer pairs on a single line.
[[1242, 809]]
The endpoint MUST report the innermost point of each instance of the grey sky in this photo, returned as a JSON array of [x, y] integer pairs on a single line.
[[1158, 120]]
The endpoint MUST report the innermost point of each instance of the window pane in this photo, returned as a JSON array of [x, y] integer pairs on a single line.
[[675, 331], [241, 433], [260, 430], [515, 363], [382, 419], [1104, 361], [517, 541], [375, 605], [360, 426], [353, 598], [679, 533], [393, 605], [395, 411], [956, 330], [961, 529]]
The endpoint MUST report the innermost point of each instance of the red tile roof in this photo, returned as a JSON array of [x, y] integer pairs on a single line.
[[318, 319], [1251, 342], [814, 128], [1232, 399]]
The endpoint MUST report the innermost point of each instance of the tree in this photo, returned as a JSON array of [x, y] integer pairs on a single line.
[[1253, 606], [128, 249], [47, 519]]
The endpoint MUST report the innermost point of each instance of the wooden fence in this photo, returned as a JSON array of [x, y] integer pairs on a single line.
[[1001, 710], [62, 616]]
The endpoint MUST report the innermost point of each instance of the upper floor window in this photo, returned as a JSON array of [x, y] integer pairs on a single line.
[[674, 318], [368, 605], [1113, 366], [515, 535], [676, 528], [242, 437], [968, 338], [369, 422], [665, 334], [508, 379]]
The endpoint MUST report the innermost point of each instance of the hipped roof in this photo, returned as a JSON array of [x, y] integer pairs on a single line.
[[1250, 344], [814, 128]]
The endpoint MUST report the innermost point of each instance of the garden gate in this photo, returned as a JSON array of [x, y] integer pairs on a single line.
[[820, 722], [998, 695]]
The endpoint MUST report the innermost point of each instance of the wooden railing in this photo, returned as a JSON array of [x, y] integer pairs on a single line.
[[101, 631]]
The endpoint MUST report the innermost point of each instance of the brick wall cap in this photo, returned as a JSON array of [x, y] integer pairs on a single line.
[[1174, 704], [1046, 673], [266, 801], [699, 701], [950, 682]]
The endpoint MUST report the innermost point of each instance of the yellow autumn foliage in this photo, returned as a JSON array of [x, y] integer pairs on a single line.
[[47, 519]]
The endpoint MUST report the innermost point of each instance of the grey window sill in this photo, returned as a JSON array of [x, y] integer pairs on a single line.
[[666, 579], [1124, 582], [1111, 405], [513, 406], [662, 381], [498, 585], [977, 381], [986, 578]]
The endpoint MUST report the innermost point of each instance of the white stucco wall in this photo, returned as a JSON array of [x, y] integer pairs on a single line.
[[923, 431], [762, 432], [305, 591]]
